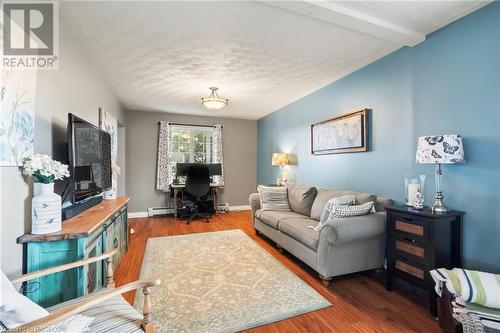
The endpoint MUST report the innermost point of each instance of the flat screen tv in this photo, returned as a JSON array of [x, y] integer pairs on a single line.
[[89, 150]]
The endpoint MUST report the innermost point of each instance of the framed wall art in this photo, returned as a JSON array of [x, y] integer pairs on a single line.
[[347, 133]]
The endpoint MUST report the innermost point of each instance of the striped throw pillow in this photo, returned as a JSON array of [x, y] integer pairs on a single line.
[[273, 198]]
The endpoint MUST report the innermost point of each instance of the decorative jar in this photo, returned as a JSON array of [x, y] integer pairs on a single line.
[[45, 209]]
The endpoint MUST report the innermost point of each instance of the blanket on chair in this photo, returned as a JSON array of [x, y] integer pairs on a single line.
[[470, 286], [477, 298]]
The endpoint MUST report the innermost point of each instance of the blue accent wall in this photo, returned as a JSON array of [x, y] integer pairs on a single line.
[[445, 85]]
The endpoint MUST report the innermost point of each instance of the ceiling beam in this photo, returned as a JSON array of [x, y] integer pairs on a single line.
[[352, 19]]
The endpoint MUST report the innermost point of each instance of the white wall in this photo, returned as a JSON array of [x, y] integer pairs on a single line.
[[76, 87]]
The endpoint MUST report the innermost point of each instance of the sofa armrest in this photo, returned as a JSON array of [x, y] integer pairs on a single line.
[[349, 229], [254, 200]]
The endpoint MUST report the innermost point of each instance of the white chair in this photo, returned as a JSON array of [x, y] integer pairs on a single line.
[[109, 309]]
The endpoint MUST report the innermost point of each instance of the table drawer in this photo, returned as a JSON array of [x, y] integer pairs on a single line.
[[408, 247], [408, 225], [412, 269]]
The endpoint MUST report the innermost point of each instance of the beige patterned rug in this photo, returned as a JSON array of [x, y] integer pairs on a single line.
[[221, 282]]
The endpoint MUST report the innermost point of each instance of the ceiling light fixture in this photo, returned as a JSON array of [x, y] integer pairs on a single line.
[[214, 102]]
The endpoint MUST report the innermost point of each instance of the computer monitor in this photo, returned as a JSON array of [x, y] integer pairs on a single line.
[[182, 169], [215, 169]]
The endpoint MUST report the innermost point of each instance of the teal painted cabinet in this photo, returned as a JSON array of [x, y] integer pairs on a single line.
[[99, 229]]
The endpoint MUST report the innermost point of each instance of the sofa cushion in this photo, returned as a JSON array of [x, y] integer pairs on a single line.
[[273, 198], [324, 195], [301, 198], [301, 231], [381, 203], [273, 217]]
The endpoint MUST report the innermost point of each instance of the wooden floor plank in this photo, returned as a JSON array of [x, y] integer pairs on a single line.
[[360, 301]]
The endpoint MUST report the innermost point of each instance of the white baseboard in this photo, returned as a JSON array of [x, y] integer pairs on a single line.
[[134, 215]]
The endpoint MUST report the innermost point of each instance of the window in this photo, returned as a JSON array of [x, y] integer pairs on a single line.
[[190, 144]]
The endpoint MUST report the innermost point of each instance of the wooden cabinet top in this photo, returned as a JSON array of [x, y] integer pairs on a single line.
[[81, 225], [426, 212]]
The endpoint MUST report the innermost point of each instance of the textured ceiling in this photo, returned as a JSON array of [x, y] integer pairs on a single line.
[[163, 56]]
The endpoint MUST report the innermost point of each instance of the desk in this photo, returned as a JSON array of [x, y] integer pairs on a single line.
[[214, 187]]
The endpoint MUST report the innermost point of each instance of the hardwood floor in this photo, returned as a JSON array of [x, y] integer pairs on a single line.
[[360, 302]]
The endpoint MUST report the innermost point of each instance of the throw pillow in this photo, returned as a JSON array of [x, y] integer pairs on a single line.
[[273, 198], [329, 210], [16, 310], [357, 210], [324, 195], [301, 198]]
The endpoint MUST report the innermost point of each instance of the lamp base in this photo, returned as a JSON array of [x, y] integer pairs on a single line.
[[438, 206]]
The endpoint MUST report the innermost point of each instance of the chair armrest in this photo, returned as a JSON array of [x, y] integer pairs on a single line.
[[254, 200], [349, 229], [60, 268], [73, 309]]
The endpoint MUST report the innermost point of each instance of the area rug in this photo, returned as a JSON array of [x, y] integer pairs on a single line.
[[221, 282]]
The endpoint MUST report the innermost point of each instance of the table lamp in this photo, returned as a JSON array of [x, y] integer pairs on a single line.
[[280, 159], [440, 149]]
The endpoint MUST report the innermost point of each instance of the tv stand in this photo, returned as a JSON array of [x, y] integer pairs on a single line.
[[100, 229], [77, 208]]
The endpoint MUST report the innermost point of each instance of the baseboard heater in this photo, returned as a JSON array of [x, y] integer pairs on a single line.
[[223, 208], [155, 211]]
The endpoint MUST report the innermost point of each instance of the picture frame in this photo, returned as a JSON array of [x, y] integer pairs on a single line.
[[109, 123], [347, 133]]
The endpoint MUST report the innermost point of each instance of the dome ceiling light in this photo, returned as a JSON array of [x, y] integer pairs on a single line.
[[214, 102]]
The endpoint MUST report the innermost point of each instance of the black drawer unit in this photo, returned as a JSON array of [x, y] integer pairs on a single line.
[[420, 241]]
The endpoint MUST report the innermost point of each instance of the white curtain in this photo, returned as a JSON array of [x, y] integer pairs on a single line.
[[218, 154], [163, 175]]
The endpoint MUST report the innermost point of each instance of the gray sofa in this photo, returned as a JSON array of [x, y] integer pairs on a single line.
[[343, 246]]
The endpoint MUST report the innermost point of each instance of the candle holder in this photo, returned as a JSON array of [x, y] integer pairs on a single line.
[[413, 186]]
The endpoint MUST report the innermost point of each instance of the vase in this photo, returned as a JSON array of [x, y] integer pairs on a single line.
[[45, 209]]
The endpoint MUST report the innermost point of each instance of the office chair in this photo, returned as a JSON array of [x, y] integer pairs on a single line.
[[198, 186]]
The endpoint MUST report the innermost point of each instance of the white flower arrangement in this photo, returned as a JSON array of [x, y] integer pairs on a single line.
[[44, 169]]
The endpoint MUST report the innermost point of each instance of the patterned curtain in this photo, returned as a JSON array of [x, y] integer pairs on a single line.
[[217, 154], [163, 176]]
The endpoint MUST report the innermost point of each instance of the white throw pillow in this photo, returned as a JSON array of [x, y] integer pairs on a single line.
[[16, 310], [273, 198]]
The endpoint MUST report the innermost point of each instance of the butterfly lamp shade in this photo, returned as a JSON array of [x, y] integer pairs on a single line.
[[440, 149]]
